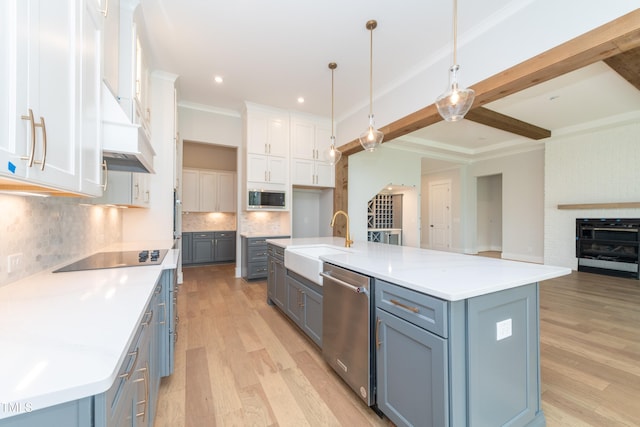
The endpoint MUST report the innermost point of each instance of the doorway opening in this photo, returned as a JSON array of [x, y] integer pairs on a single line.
[[489, 215]]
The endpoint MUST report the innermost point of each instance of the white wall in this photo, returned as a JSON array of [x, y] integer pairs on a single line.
[[597, 167], [156, 223], [204, 124], [371, 172], [523, 30], [522, 202]]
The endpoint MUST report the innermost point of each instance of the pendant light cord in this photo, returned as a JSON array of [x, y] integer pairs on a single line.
[[332, 134], [455, 32], [371, 73]]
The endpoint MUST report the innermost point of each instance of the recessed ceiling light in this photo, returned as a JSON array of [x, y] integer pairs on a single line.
[[218, 79], [300, 100]]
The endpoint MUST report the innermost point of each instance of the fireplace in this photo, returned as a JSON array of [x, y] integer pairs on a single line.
[[608, 246]]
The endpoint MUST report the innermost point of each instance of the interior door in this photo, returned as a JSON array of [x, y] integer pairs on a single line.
[[440, 215]]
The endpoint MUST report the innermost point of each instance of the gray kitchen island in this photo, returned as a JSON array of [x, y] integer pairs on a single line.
[[453, 339]]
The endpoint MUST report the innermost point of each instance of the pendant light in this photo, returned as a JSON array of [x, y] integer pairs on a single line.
[[371, 138], [455, 102], [332, 154]]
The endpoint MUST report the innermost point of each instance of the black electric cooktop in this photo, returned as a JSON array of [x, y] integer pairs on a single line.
[[102, 260]]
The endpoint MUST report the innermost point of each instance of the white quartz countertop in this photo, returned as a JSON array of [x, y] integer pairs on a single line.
[[446, 275], [63, 336]]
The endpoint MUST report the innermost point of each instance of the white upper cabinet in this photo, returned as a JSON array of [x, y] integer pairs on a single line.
[[110, 9], [50, 58], [205, 190], [267, 133], [310, 137]]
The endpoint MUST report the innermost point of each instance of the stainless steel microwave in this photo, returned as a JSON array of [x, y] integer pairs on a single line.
[[266, 199]]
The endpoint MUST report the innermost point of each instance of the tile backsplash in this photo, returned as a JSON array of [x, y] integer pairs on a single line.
[[49, 231], [208, 221]]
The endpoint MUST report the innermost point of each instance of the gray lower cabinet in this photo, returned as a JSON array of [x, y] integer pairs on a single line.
[[254, 257], [208, 247], [187, 243], [304, 305], [411, 373], [442, 363], [202, 247], [224, 246], [276, 280]]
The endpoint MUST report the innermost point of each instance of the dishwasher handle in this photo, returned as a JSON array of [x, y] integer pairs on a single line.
[[356, 289]]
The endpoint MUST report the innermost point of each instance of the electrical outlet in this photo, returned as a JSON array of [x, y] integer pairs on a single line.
[[14, 262], [503, 329]]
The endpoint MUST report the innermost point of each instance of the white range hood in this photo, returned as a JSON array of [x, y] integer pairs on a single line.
[[125, 145]]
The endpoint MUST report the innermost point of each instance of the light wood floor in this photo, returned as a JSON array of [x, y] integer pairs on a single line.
[[240, 362]]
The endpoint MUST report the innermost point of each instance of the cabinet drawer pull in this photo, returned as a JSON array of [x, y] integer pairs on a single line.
[[150, 314], [133, 354], [406, 307]]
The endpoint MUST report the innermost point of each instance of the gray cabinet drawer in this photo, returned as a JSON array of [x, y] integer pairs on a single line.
[[422, 310], [257, 270], [275, 251], [258, 254], [225, 235], [261, 242], [206, 235]]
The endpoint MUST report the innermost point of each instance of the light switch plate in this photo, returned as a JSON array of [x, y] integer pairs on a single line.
[[503, 329]]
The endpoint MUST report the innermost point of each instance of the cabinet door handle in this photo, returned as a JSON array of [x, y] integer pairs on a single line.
[[44, 143], [150, 314], [105, 11], [32, 150], [145, 378], [105, 176], [164, 313], [406, 307], [378, 332]]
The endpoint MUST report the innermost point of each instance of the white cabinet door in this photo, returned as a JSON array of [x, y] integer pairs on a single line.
[[325, 174], [89, 119], [323, 140], [303, 139], [208, 191], [226, 192], [278, 135], [302, 172], [190, 191], [111, 43], [257, 168], [267, 132], [11, 84], [278, 170], [52, 91]]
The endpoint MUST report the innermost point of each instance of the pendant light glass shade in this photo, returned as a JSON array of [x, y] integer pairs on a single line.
[[331, 154], [371, 138], [455, 102]]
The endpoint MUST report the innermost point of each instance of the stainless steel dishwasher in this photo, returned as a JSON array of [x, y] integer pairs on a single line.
[[346, 328]]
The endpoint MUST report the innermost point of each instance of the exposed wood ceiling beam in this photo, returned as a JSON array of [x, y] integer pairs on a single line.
[[627, 64], [487, 117], [613, 38]]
